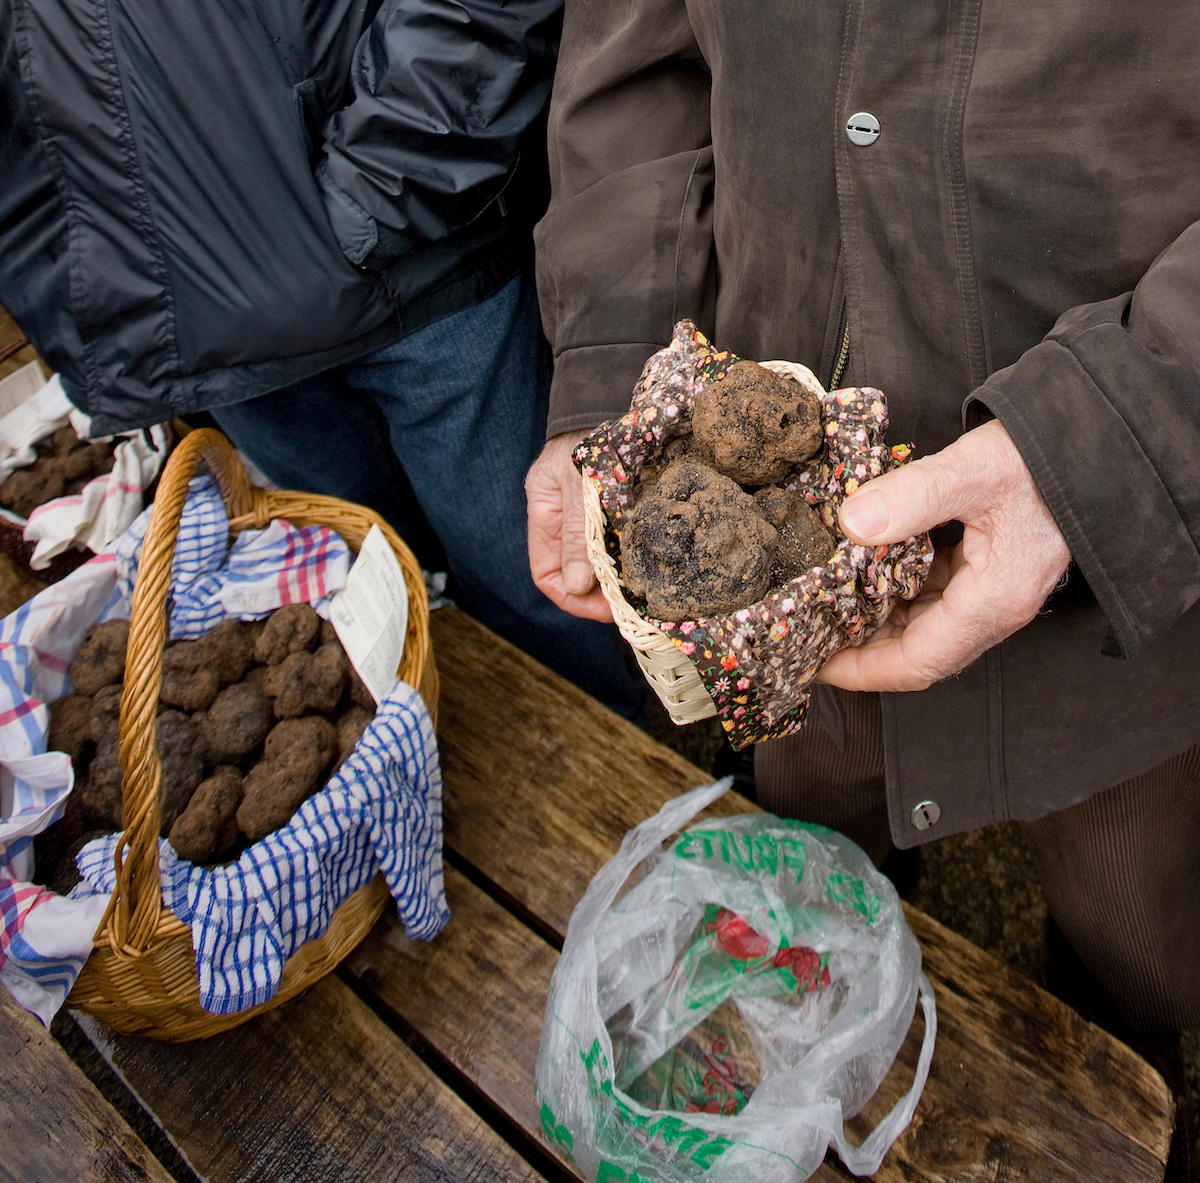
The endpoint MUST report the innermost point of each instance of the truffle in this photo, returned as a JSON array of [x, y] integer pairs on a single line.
[[290, 629], [54, 849], [753, 425], [215, 718], [85, 462], [71, 728], [296, 757], [230, 649], [359, 694], [189, 679], [28, 488], [255, 676], [182, 767], [101, 658], [804, 540], [99, 791], [306, 683], [104, 724], [235, 725], [65, 874], [695, 545], [64, 464], [350, 728], [208, 828]]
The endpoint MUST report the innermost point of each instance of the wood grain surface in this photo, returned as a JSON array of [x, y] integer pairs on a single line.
[[476, 994], [10, 333], [541, 781], [416, 1060], [54, 1125], [317, 1091], [1021, 1086]]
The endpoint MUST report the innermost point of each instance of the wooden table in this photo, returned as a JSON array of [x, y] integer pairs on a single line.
[[416, 1060]]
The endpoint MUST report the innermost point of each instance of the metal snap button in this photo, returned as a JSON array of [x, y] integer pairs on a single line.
[[925, 814], [862, 128]]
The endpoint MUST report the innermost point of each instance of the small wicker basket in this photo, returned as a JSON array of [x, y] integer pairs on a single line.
[[670, 673], [141, 975]]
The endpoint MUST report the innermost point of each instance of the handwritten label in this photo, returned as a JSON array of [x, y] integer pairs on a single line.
[[370, 614]]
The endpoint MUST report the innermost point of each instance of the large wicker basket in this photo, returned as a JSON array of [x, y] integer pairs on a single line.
[[141, 976], [670, 673]]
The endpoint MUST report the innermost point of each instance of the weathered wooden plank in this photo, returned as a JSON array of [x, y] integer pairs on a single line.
[[476, 994], [318, 1090], [1020, 1086], [54, 1124], [541, 780], [1011, 1018], [541, 785]]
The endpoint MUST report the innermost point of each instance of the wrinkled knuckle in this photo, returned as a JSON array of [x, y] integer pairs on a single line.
[[938, 482]]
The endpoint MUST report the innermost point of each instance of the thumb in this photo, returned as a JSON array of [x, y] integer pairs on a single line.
[[911, 500], [577, 574], [959, 483]]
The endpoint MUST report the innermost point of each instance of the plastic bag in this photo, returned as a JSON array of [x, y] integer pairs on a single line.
[[722, 1017]]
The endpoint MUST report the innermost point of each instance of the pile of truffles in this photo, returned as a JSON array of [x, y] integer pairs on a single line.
[[64, 464], [253, 718], [716, 526]]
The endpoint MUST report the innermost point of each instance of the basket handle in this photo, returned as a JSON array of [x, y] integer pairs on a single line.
[[132, 916], [7, 351]]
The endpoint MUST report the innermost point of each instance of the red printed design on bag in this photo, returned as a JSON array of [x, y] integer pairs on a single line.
[[806, 967], [723, 1085], [736, 938]]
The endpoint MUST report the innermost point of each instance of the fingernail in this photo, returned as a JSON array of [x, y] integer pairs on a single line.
[[577, 578], [865, 515]]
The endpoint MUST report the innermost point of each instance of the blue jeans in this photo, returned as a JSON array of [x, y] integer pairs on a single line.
[[435, 433]]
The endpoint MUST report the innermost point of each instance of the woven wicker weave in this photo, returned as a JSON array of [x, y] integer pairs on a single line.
[[141, 976], [671, 675]]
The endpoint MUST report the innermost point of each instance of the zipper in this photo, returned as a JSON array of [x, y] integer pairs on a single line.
[[839, 366]]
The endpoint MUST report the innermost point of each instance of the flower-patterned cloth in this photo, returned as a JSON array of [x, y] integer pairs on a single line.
[[759, 662]]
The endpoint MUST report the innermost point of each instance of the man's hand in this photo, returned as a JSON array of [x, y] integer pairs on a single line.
[[557, 547], [995, 581]]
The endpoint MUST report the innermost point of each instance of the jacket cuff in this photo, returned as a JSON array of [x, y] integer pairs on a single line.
[[594, 383], [1108, 431]]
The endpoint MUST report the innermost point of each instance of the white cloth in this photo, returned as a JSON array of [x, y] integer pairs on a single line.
[[106, 506]]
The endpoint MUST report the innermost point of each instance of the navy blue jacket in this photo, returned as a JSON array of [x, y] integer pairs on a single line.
[[203, 202]]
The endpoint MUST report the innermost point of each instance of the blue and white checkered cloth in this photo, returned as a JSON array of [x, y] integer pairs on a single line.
[[382, 811]]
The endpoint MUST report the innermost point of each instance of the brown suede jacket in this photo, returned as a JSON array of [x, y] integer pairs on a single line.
[[1021, 239]]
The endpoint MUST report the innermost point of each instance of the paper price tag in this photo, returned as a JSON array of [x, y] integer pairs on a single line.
[[370, 614]]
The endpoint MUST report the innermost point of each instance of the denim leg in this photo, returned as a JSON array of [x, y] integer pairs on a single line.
[[322, 436], [465, 400]]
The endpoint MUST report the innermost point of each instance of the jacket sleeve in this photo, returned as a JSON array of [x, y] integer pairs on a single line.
[[441, 94], [627, 241], [1106, 413]]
